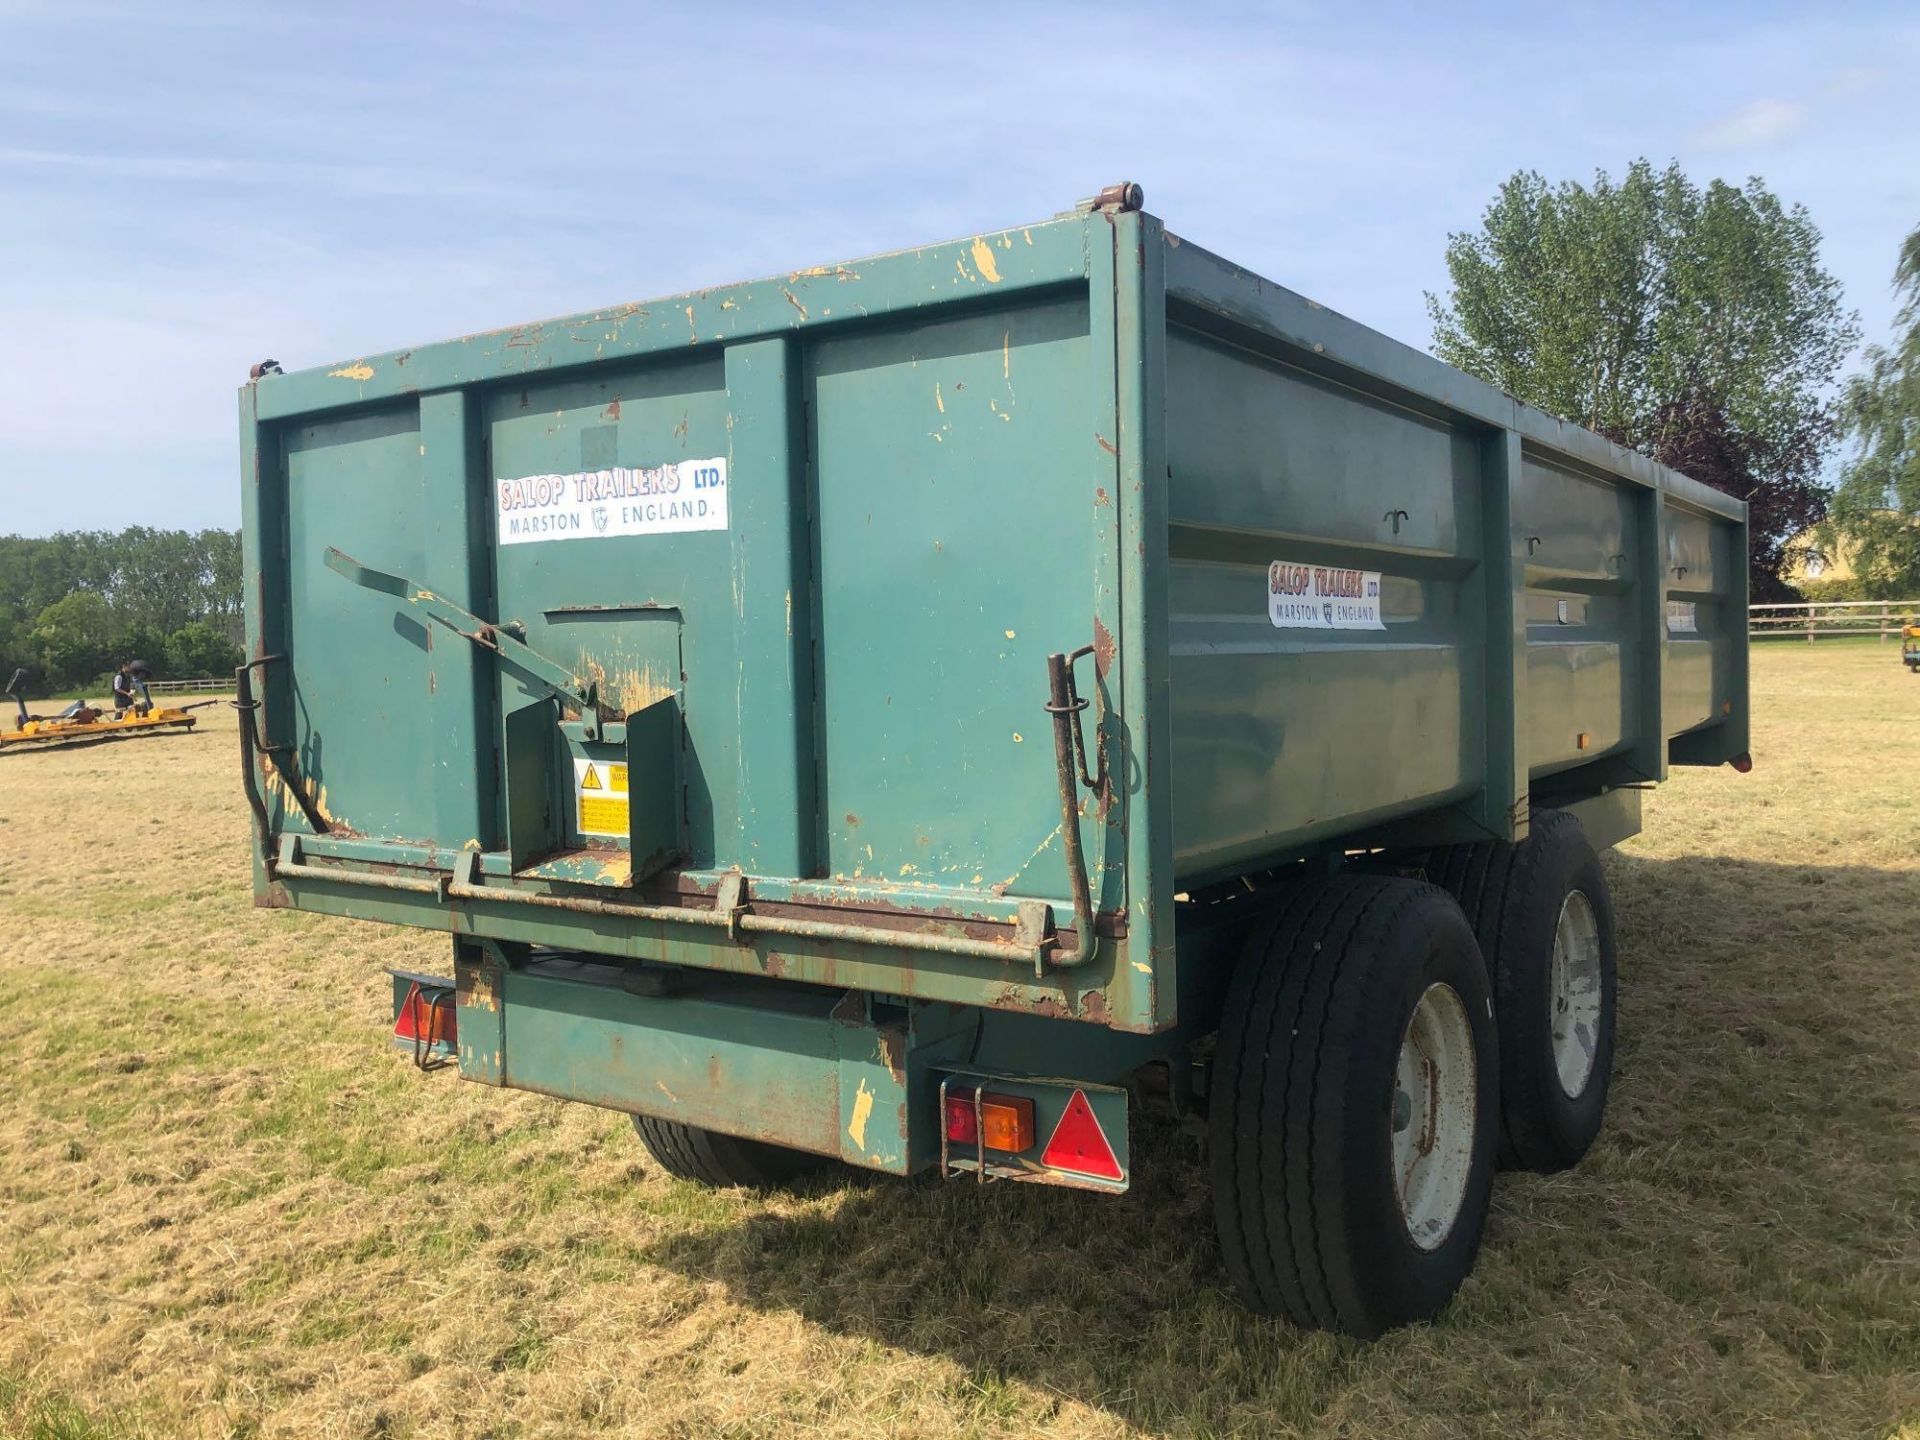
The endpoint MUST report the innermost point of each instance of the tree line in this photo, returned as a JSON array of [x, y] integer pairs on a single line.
[[1698, 325], [73, 606]]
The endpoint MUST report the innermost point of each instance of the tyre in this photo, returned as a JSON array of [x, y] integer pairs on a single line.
[[690, 1153], [1353, 1106], [1545, 924]]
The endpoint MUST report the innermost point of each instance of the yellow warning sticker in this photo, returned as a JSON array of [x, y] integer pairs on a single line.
[[600, 799]]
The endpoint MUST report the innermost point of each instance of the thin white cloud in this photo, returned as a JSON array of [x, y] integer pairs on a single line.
[[1854, 80], [1756, 124]]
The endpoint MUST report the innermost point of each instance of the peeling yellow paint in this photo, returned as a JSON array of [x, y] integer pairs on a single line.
[[661, 1086], [277, 785], [1038, 850], [632, 690], [359, 370], [1010, 634], [939, 403], [983, 258], [1143, 967], [862, 1108], [1017, 737]]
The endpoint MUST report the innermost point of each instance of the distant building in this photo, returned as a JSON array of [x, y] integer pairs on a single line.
[[1812, 556], [1817, 554]]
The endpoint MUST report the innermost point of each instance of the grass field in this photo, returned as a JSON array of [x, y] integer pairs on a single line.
[[228, 1207]]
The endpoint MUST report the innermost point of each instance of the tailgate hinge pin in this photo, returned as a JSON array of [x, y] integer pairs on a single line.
[[1032, 929], [731, 901]]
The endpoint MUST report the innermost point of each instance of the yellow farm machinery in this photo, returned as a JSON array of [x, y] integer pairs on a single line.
[[82, 723]]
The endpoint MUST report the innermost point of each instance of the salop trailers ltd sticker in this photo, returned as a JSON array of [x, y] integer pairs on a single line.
[[1323, 597], [625, 500]]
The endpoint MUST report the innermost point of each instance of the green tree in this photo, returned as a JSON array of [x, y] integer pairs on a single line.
[[75, 638], [1877, 506], [155, 581], [159, 577], [221, 597], [1675, 319], [142, 640], [200, 650], [16, 649]]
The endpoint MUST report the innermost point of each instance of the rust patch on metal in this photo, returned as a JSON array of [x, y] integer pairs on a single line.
[[477, 986], [1103, 648], [612, 412], [627, 690], [1105, 444], [851, 1009], [1100, 496], [893, 1051]]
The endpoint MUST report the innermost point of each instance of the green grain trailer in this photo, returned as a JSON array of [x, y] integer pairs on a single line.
[[901, 712]]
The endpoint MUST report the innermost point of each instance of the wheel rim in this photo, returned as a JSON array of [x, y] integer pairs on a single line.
[[1575, 986], [1434, 1113]]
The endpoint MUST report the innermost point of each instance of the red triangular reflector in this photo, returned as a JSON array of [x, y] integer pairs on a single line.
[[406, 1025], [1080, 1145]]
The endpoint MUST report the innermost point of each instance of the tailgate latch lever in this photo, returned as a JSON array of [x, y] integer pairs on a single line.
[[552, 676]]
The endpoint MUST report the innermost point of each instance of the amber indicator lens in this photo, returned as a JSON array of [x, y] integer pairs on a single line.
[[1000, 1122]]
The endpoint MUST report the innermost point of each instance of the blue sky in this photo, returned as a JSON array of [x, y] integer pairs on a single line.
[[187, 187]]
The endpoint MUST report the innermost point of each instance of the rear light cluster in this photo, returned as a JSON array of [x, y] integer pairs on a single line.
[[984, 1120], [999, 1122]]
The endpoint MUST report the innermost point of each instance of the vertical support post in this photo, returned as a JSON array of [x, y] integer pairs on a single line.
[[1738, 737], [263, 534], [458, 546], [1647, 755], [1502, 809], [773, 606], [479, 998], [1143, 808]]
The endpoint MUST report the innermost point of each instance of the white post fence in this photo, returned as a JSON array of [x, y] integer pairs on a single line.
[[1818, 619]]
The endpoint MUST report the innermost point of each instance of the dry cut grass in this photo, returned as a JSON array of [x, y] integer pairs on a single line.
[[226, 1208]]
